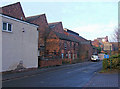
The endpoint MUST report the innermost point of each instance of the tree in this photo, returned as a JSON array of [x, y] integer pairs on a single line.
[[98, 49], [116, 37]]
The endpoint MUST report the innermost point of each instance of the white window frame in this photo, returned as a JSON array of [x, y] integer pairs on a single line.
[[7, 27]]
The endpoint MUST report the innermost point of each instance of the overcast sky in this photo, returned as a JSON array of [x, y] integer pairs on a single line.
[[91, 19]]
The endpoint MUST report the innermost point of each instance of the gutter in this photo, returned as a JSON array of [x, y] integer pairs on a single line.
[[21, 21]]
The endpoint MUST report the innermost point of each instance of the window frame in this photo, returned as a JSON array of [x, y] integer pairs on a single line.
[[7, 27], [65, 45]]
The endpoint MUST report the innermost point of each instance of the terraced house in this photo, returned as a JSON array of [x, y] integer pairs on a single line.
[[70, 44], [57, 44], [43, 31], [19, 39], [32, 37]]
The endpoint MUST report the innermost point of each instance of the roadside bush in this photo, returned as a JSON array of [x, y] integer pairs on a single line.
[[105, 63], [115, 56], [114, 61]]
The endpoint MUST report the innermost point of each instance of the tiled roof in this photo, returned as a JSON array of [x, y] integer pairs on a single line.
[[70, 37], [14, 10], [70, 31], [31, 18], [67, 35], [54, 23]]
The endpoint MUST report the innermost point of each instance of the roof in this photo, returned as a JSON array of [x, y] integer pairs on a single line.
[[65, 37], [14, 10], [70, 37], [31, 18], [22, 21], [67, 34], [54, 23], [70, 31]]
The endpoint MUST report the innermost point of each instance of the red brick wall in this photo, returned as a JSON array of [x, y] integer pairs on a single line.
[[52, 42], [95, 43], [44, 63], [14, 10], [69, 48], [86, 51], [58, 27], [43, 28]]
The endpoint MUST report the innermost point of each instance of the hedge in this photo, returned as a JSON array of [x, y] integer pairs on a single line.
[[113, 62]]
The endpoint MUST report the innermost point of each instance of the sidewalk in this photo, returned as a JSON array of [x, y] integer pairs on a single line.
[[104, 80], [33, 72]]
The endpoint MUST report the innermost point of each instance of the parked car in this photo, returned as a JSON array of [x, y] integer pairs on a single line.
[[95, 58]]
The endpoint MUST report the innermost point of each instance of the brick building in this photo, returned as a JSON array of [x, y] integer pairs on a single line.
[[19, 39], [114, 47], [99, 43], [64, 44], [13, 10], [54, 43], [68, 44], [57, 44], [43, 30]]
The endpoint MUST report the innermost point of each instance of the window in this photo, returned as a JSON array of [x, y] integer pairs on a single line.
[[4, 26], [62, 55], [52, 26], [70, 44], [47, 52], [74, 46], [69, 56], [65, 45], [66, 55], [55, 52], [7, 27]]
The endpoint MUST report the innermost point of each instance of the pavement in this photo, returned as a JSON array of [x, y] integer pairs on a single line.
[[84, 75], [104, 80]]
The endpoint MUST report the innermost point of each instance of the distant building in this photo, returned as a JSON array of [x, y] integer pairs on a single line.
[[99, 42], [107, 46], [114, 47]]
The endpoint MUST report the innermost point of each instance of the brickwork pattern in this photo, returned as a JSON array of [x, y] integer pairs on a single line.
[[14, 10]]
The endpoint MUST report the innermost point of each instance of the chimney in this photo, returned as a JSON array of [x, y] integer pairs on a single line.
[[106, 38]]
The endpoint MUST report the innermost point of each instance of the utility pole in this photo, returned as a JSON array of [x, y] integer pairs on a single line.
[[118, 41], [110, 58]]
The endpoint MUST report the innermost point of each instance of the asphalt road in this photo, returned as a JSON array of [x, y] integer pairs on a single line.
[[77, 75]]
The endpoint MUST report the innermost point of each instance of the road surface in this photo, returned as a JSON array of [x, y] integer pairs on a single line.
[[76, 75]]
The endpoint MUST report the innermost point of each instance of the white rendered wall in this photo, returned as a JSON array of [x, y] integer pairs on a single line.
[[19, 46]]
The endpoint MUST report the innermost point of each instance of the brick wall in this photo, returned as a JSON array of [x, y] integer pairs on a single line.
[[43, 31], [52, 42], [44, 63], [57, 27], [70, 49], [14, 10], [43, 28], [85, 52], [95, 43]]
